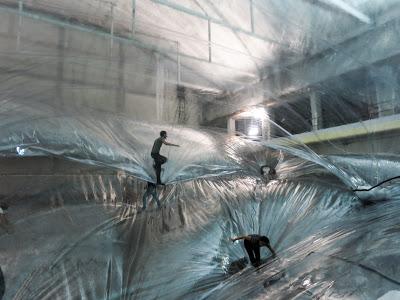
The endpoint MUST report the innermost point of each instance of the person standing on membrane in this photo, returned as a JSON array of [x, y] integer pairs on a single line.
[[252, 243], [158, 158]]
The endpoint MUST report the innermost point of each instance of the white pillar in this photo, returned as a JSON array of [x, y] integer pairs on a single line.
[[160, 85], [386, 90], [231, 126], [19, 31], [252, 16], [178, 64], [265, 129], [112, 29], [316, 111], [133, 17], [209, 41]]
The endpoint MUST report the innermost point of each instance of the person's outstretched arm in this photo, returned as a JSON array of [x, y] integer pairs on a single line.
[[170, 144], [244, 237], [272, 250]]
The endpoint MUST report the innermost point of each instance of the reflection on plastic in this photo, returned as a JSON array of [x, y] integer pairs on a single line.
[[89, 240]]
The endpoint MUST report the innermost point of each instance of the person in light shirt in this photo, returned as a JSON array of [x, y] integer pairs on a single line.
[[159, 160]]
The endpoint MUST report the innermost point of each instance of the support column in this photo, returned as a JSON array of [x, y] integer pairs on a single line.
[[62, 44], [121, 93], [231, 126], [160, 85], [19, 30], [265, 128], [133, 17], [209, 42], [386, 90], [251, 16], [316, 110], [112, 29], [178, 65], [271, 123]]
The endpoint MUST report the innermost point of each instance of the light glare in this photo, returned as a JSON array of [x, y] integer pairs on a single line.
[[253, 131]]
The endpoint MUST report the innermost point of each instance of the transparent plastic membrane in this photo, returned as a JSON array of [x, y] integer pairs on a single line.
[[312, 91], [86, 236], [96, 243]]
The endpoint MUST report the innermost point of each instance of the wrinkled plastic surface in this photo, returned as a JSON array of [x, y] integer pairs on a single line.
[[87, 237], [79, 231], [328, 243]]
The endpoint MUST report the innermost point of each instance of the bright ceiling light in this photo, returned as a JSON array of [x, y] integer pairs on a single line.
[[255, 112], [253, 131], [258, 113]]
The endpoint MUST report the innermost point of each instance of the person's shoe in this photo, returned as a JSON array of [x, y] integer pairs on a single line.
[[160, 183], [256, 264]]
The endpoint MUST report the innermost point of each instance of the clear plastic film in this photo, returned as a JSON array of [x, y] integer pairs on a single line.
[[85, 233], [287, 117], [89, 237]]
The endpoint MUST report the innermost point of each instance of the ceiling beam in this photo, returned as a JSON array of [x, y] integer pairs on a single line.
[[321, 67], [206, 17], [348, 9]]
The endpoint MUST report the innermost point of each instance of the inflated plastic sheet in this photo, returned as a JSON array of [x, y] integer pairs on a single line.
[[287, 117], [87, 236]]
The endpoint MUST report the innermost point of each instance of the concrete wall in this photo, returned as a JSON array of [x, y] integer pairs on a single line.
[[47, 61], [94, 12], [69, 67], [60, 181]]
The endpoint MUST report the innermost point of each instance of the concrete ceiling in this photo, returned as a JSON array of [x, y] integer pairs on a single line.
[[226, 44]]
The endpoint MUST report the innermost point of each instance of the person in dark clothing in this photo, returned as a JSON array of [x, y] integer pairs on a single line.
[[2, 284], [4, 223], [159, 160], [151, 190], [267, 172], [252, 243]]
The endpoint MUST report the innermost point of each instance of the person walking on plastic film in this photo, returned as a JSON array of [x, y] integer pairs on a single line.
[[151, 190], [159, 160], [252, 243], [4, 223]]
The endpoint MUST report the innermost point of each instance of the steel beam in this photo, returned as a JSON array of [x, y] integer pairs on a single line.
[[252, 16], [380, 125], [323, 66], [199, 15], [348, 9]]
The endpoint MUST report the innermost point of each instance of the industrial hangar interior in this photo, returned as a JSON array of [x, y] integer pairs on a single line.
[[286, 113]]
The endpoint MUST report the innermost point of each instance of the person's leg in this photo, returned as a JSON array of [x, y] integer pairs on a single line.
[[158, 161], [249, 249], [154, 160], [155, 198], [162, 159], [2, 284], [257, 254], [145, 195], [158, 173]]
